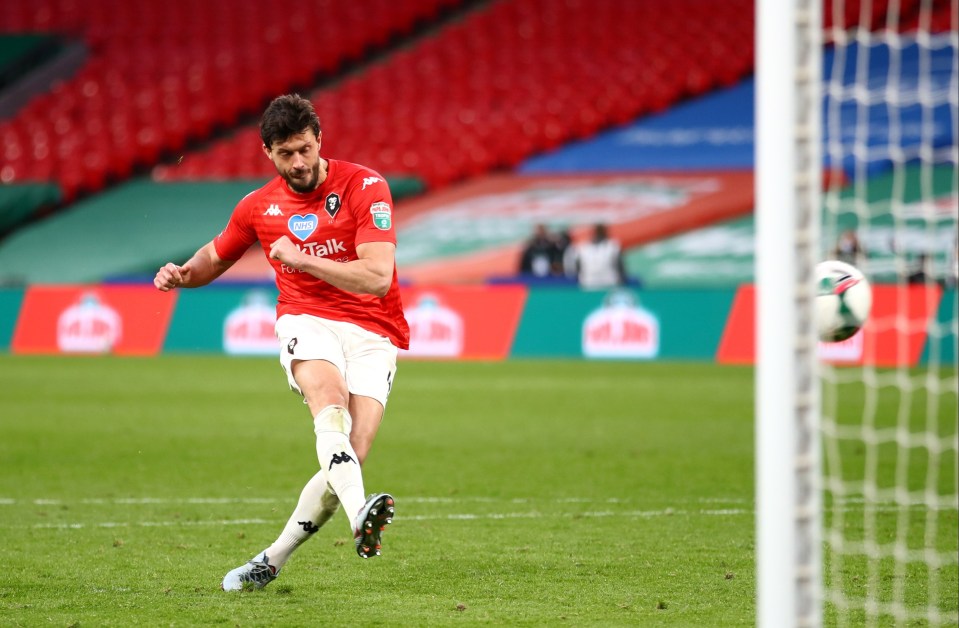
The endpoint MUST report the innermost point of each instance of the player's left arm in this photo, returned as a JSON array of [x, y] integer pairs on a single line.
[[371, 273]]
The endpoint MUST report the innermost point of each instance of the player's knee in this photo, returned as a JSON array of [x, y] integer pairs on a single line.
[[320, 383], [324, 396], [333, 418]]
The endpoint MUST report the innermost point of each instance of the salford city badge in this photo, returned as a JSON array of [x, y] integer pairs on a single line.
[[332, 204]]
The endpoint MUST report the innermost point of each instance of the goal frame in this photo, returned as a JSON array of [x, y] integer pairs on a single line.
[[787, 397]]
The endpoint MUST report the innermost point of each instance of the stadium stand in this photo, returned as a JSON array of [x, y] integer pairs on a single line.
[[162, 74], [461, 87], [23, 201], [523, 77], [517, 78], [122, 232], [901, 15], [20, 53]]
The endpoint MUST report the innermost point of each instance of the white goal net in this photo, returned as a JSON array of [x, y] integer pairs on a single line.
[[889, 394], [860, 525]]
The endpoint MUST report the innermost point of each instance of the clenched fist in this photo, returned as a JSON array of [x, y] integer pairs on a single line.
[[171, 276], [285, 251]]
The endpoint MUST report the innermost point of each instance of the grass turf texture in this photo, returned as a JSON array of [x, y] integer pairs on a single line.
[[528, 492]]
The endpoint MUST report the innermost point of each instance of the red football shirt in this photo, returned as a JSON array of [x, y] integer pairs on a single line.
[[352, 206]]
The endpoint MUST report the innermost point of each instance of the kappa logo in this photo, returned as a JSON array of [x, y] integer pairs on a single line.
[[290, 346], [273, 210], [309, 527], [382, 215], [332, 205], [367, 181], [341, 457]]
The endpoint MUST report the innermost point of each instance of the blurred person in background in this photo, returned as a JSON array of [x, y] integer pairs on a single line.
[[920, 269], [565, 265], [326, 228], [599, 261], [849, 249], [541, 253]]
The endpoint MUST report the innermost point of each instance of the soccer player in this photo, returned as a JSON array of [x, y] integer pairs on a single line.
[[326, 227]]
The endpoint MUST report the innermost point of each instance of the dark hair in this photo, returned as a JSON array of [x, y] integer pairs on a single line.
[[286, 116], [600, 232]]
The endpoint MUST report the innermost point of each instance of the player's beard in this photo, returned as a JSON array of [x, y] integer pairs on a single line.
[[304, 184]]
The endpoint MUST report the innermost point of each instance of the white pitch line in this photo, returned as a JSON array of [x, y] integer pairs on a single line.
[[142, 501], [640, 514], [634, 514], [146, 524]]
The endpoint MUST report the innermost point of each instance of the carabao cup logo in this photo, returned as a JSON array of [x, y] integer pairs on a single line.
[[382, 215], [302, 226]]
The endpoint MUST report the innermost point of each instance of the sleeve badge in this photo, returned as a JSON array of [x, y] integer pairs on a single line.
[[382, 215]]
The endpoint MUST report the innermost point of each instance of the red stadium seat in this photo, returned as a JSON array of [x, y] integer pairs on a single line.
[[163, 73], [502, 82]]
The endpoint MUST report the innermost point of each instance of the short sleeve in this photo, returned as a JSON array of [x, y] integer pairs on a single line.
[[372, 206], [238, 235]]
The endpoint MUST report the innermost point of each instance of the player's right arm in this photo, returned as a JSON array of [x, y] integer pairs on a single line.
[[205, 266]]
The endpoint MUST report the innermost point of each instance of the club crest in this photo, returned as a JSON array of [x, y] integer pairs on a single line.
[[332, 205]]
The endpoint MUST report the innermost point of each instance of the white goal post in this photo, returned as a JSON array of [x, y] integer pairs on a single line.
[[788, 200], [857, 445]]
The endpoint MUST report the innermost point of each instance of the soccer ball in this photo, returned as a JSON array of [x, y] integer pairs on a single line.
[[843, 300]]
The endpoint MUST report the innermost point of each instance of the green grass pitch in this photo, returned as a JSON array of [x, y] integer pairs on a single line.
[[528, 493]]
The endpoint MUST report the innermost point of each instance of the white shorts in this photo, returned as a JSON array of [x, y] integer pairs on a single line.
[[367, 361]]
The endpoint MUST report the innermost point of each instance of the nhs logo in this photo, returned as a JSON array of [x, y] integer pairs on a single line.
[[302, 226]]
